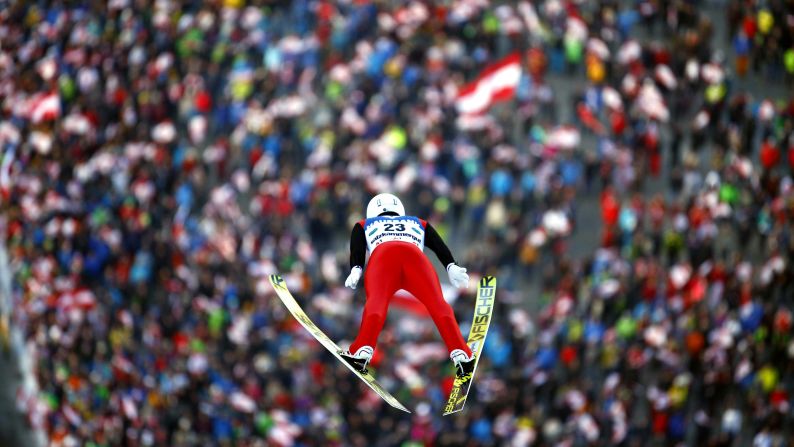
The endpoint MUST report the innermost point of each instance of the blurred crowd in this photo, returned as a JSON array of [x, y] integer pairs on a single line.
[[161, 158], [761, 38]]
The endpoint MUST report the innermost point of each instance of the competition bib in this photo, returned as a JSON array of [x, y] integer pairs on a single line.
[[399, 228]]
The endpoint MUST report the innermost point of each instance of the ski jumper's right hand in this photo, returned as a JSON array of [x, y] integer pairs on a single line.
[[457, 275], [353, 277]]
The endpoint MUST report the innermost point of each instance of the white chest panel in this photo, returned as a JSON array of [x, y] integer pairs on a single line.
[[387, 229]]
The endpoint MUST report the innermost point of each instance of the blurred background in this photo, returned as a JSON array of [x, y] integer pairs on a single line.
[[631, 189]]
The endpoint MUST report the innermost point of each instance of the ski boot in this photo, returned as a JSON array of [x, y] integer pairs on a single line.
[[360, 359], [464, 365]]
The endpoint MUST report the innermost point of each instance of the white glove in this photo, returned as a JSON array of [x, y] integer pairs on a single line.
[[457, 275], [353, 277]]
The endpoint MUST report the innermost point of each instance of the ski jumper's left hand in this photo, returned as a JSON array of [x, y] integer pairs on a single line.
[[458, 276]]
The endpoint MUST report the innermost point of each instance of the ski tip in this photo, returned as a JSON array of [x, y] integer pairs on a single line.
[[277, 281], [488, 281]]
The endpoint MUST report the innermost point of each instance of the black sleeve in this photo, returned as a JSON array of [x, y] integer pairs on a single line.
[[358, 246], [434, 242]]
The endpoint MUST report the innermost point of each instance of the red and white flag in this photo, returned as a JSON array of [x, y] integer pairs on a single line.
[[45, 106], [129, 408], [498, 82], [242, 402], [72, 416], [6, 167]]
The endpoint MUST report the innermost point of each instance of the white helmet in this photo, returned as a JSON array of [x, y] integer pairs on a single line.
[[383, 203]]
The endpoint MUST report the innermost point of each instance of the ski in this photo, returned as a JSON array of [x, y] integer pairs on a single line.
[[486, 292], [295, 309]]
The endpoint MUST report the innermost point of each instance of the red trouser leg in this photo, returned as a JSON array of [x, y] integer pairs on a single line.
[[395, 266], [421, 280], [382, 280]]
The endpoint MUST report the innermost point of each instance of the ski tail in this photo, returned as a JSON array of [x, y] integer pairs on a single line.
[[297, 312]]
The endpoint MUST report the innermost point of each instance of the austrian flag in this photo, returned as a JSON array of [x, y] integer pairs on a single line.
[[44, 107], [498, 82]]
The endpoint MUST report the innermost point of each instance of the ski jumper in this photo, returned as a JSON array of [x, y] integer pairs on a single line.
[[397, 262]]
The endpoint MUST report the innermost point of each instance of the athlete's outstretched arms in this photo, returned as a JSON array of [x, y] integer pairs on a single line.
[[457, 274], [358, 253]]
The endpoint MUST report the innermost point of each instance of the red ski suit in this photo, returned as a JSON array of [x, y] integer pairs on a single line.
[[397, 262]]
